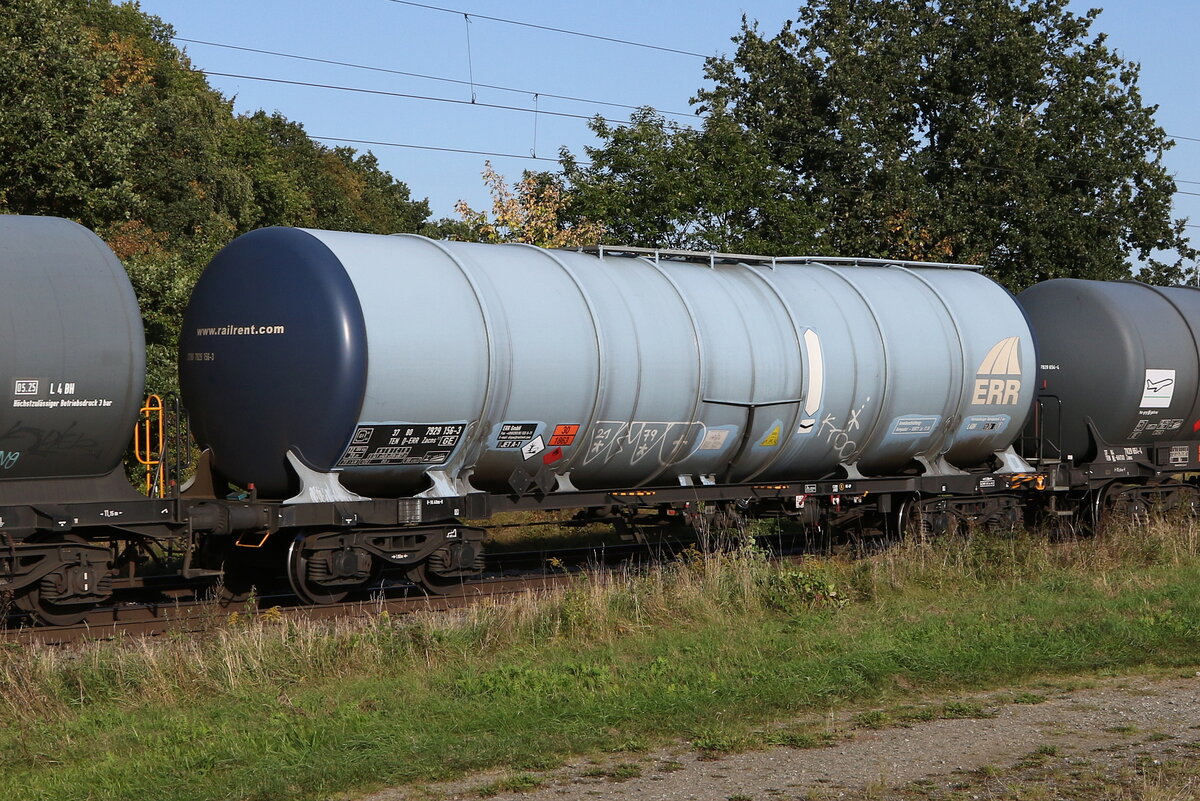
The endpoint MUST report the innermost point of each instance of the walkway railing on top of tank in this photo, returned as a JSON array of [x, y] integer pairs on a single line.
[[713, 258]]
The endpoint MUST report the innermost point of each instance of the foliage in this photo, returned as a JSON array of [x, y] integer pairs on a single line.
[[297, 181], [531, 212], [104, 121], [661, 184], [996, 132]]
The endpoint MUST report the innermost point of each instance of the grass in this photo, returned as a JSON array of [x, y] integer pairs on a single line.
[[711, 650], [544, 531]]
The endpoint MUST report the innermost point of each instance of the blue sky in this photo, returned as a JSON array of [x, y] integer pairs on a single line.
[[1158, 34]]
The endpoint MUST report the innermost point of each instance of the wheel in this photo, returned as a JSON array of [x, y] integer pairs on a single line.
[[298, 577], [49, 613], [911, 523], [80, 582], [1122, 505], [432, 583], [1185, 501]]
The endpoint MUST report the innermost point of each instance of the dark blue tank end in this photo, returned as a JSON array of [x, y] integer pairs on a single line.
[[275, 311]]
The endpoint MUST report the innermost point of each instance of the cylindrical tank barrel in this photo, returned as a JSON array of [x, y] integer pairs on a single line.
[[1120, 354], [73, 361], [391, 359]]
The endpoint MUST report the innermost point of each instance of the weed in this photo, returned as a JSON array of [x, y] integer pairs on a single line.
[[913, 714], [715, 743], [1028, 698], [966, 709], [789, 589], [632, 745], [875, 719], [798, 739], [518, 783]]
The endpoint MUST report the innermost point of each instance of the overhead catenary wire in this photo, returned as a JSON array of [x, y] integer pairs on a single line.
[[493, 154], [409, 96], [535, 111], [423, 76], [553, 29], [618, 40]]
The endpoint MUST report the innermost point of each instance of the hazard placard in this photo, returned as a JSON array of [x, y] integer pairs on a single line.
[[533, 447], [772, 439], [563, 435]]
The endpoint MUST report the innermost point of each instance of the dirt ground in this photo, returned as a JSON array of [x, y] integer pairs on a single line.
[[1098, 739]]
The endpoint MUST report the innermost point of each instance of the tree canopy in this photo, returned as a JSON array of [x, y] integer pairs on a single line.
[[994, 132], [532, 212]]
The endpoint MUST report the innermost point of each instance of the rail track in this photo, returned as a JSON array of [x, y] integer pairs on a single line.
[[180, 610], [194, 616]]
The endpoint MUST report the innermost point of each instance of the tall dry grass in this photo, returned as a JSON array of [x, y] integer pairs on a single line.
[[252, 651]]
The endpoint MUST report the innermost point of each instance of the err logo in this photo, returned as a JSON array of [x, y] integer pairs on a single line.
[[994, 384]]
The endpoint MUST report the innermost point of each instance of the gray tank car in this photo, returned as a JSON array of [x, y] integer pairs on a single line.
[[73, 362], [405, 365]]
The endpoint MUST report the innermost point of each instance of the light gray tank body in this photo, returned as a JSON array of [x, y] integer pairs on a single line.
[[73, 359], [488, 363]]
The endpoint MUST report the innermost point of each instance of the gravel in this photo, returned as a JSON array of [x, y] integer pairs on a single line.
[[1109, 721]]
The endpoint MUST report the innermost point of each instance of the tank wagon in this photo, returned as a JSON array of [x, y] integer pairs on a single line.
[[358, 397], [323, 366], [71, 377], [1117, 416], [398, 365]]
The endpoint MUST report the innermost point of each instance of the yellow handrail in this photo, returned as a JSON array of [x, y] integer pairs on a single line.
[[148, 443]]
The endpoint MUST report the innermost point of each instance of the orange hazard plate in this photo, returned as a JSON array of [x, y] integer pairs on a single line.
[[563, 435]]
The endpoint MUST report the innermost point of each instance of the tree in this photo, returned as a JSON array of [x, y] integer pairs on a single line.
[[995, 132], [661, 184], [532, 212], [298, 181]]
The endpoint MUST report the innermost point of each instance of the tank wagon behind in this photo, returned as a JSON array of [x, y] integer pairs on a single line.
[[1117, 413], [71, 381], [407, 365], [1119, 365], [73, 361]]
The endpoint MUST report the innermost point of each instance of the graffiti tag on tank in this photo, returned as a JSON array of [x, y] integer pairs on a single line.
[[38, 441], [664, 442], [841, 436]]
